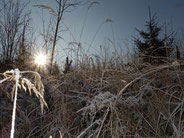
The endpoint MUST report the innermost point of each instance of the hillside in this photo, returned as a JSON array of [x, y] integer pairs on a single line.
[[131, 101]]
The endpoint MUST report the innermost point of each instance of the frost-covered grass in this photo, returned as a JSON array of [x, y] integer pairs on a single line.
[[21, 82], [100, 101]]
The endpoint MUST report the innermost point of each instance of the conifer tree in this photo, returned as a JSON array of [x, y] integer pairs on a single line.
[[151, 48]]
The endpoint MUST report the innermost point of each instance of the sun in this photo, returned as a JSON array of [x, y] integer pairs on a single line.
[[41, 59]]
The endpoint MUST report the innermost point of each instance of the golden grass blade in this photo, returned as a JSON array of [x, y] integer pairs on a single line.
[[93, 3], [51, 10], [108, 20]]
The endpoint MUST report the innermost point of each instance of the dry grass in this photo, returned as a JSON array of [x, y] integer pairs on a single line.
[[16, 80], [106, 101]]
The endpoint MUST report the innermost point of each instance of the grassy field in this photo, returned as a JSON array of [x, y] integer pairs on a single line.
[[100, 100]]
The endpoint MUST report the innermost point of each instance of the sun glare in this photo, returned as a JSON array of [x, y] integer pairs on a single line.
[[40, 60]]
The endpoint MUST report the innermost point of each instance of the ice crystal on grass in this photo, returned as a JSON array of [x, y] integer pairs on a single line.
[[100, 101]]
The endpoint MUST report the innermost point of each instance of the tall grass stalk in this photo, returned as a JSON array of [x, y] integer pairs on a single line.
[[24, 83], [17, 77]]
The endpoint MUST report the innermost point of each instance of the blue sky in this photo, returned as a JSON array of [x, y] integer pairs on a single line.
[[126, 15]]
